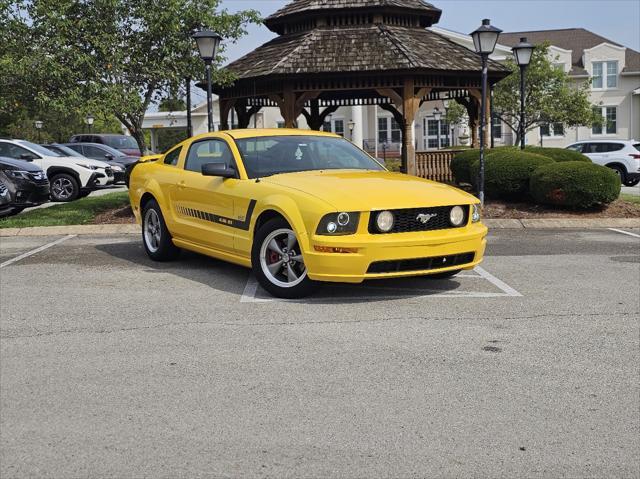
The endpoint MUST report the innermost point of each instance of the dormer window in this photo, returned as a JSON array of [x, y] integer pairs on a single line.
[[605, 75]]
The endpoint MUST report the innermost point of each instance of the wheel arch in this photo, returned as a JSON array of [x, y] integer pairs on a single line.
[[283, 207], [55, 170], [617, 164]]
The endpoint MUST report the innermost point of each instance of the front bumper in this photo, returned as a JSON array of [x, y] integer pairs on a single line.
[[30, 194], [464, 246]]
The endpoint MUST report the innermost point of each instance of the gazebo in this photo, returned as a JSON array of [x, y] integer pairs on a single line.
[[333, 53]]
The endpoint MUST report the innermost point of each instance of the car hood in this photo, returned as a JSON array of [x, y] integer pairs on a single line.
[[351, 190], [11, 164], [81, 161]]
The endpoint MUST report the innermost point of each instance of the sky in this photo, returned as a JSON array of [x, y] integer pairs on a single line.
[[617, 20]]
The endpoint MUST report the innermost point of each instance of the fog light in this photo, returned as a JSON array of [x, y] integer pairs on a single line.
[[384, 221], [475, 216], [456, 216]]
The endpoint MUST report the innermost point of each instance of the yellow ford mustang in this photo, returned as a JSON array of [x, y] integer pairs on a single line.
[[301, 206]]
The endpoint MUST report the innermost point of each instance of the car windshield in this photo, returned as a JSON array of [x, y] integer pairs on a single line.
[[121, 142], [65, 150], [272, 155], [41, 150], [108, 149]]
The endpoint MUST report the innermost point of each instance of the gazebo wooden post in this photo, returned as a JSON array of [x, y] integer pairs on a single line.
[[225, 107]]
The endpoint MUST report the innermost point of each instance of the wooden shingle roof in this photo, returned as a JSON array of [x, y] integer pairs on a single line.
[[358, 48], [297, 9]]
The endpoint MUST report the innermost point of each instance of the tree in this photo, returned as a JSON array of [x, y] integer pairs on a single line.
[[117, 56], [551, 96]]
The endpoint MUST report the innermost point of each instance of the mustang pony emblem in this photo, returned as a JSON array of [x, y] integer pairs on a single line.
[[424, 218]]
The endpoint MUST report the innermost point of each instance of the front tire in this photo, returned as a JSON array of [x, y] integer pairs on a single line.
[[64, 188], [622, 174], [155, 235], [277, 262]]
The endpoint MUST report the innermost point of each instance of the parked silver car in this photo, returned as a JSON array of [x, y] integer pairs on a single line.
[[622, 156]]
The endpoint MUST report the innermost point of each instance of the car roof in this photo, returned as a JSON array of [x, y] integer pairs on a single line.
[[87, 143], [260, 132], [98, 134], [612, 140]]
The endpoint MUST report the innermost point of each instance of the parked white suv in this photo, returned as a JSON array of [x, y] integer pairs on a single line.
[[623, 156], [70, 177]]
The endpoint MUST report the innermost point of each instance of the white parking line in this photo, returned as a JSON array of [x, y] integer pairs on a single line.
[[34, 251], [496, 282], [625, 232], [252, 287]]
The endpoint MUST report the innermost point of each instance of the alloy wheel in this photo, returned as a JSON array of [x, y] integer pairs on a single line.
[[281, 259], [62, 188], [152, 230]]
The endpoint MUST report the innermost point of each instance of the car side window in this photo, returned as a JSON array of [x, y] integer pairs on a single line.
[[94, 152], [578, 147], [614, 147], [208, 151], [172, 157]]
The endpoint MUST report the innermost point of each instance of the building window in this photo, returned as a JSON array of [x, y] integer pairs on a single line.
[[326, 126], [552, 129], [396, 131], [338, 127], [609, 124], [280, 124], [496, 127], [383, 130], [605, 75]]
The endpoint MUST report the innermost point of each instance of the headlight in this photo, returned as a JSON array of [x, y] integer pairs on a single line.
[[339, 224], [457, 216], [117, 168], [88, 167], [19, 174], [475, 213], [385, 221]]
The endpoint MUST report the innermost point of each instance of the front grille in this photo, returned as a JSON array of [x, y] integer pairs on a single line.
[[3, 189], [420, 264], [407, 220]]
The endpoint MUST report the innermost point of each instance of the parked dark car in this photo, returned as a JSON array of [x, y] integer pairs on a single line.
[[6, 196], [119, 168], [96, 151], [29, 185], [126, 144]]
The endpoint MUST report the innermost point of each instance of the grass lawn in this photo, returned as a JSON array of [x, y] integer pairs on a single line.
[[78, 212], [630, 198]]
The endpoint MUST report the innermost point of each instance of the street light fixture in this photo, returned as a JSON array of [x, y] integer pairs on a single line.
[[437, 116], [351, 126], [89, 121], [38, 125], [208, 43], [522, 51], [485, 38]]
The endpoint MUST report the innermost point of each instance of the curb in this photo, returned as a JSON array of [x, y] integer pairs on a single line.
[[500, 223]]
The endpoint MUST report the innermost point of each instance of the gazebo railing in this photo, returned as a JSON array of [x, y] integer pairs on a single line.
[[435, 165]]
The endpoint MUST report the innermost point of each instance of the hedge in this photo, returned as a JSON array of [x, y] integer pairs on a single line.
[[507, 172], [575, 184], [558, 154], [461, 165]]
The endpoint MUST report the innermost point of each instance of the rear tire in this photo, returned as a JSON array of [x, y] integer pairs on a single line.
[[622, 174], [155, 235], [277, 262], [64, 188], [445, 275], [631, 182]]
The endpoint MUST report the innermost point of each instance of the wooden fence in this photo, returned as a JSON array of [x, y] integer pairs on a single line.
[[435, 165]]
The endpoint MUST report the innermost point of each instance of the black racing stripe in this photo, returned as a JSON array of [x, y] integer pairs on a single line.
[[212, 218]]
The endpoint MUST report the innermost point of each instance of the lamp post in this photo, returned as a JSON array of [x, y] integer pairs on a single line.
[[38, 125], [208, 43], [485, 38], [437, 116], [89, 121], [522, 51], [351, 126]]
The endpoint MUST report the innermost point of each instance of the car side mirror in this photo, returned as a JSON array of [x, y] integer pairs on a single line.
[[109, 156], [27, 157], [221, 170]]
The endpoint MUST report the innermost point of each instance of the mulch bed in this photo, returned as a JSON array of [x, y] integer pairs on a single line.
[[119, 216], [501, 209]]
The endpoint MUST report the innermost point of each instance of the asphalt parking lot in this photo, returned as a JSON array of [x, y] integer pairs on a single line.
[[114, 366]]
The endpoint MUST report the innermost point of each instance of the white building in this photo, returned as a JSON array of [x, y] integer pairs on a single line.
[[614, 71]]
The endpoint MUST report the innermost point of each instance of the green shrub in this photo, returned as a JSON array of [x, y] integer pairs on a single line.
[[558, 154], [507, 172], [461, 165], [575, 184]]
